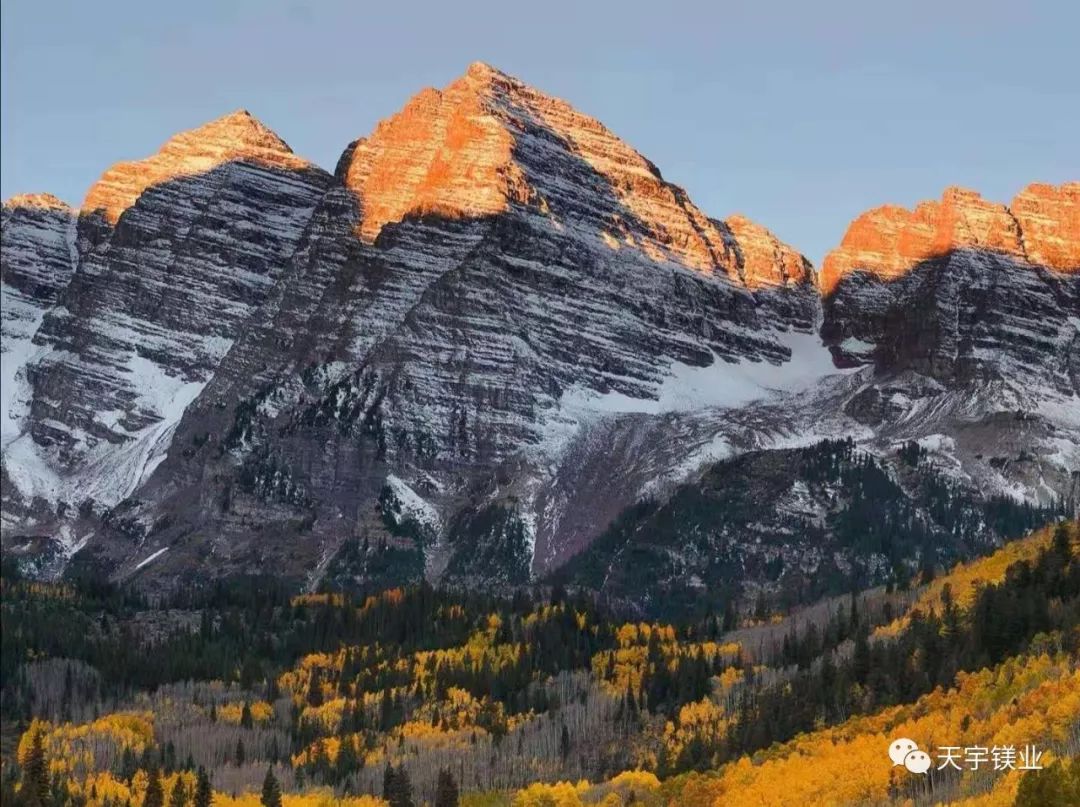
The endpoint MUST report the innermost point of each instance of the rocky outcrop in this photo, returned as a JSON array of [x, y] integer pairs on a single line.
[[888, 241], [1049, 220], [1041, 228], [961, 290], [967, 313]]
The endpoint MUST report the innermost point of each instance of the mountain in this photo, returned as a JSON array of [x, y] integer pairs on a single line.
[[968, 312], [165, 264], [494, 329]]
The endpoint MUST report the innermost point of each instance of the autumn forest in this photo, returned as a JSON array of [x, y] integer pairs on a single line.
[[247, 693]]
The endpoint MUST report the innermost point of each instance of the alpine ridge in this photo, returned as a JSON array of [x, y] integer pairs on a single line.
[[494, 328]]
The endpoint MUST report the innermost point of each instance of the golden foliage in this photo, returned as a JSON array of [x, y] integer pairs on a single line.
[[1024, 700], [559, 794], [74, 750], [704, 720], [324, 599], [624, 668], [965, 579], [315, 798], [261, 712], [632, 788]]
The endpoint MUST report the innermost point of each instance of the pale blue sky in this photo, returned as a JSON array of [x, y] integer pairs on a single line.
[[799, 115]]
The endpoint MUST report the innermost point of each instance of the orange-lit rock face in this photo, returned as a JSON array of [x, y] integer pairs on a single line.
[[1049, 217], [237, 136], [488, 142], [766, 259], [445, 153], [1041, 227], [43, 201]]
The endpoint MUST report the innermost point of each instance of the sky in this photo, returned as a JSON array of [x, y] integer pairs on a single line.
[[799, 115]]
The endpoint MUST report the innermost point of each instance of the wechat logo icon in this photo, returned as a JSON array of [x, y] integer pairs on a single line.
[[907, 753]]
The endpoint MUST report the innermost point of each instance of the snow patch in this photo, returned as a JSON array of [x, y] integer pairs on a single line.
[[937, 444], [720, 384], [857, 346], [154, 556], [414, 505]]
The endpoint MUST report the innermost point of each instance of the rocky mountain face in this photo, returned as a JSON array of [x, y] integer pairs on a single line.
[[968, 312], [468, 351], [168, 260], [38, 262], [995, 287]]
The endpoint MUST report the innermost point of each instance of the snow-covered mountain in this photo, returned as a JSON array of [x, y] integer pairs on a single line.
[[493, 329]]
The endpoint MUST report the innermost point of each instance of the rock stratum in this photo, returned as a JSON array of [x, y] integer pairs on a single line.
[[491, 331]]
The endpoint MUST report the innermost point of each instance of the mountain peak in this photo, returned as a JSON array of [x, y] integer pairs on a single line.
[[236, 136], [41, 201], [237, 128], [445, 152], [488, 143], [484, 71], [1041, 227]]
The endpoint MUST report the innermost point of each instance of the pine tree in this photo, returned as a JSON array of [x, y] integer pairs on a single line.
[[564, 742], [314, 694], [155, 796], [240, 755], [446, 790], [348, 762], [204, 795], [271, 791], [35, 782], [128, 765], [403, 792], [1062, 542], [397, 789], [245, 716], [1051, 785], [178, 797], [389, 782]]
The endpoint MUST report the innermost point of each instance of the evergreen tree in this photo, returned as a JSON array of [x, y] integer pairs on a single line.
[[203, 793], [35, 782], [314, 694], [245, 716], [240, 756], [155, 795], [397, 789], [404, 789], [1054, 784], [446, 790], [178, 797], [128, 765], [348, 761], [389, 782], [271, 790]]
